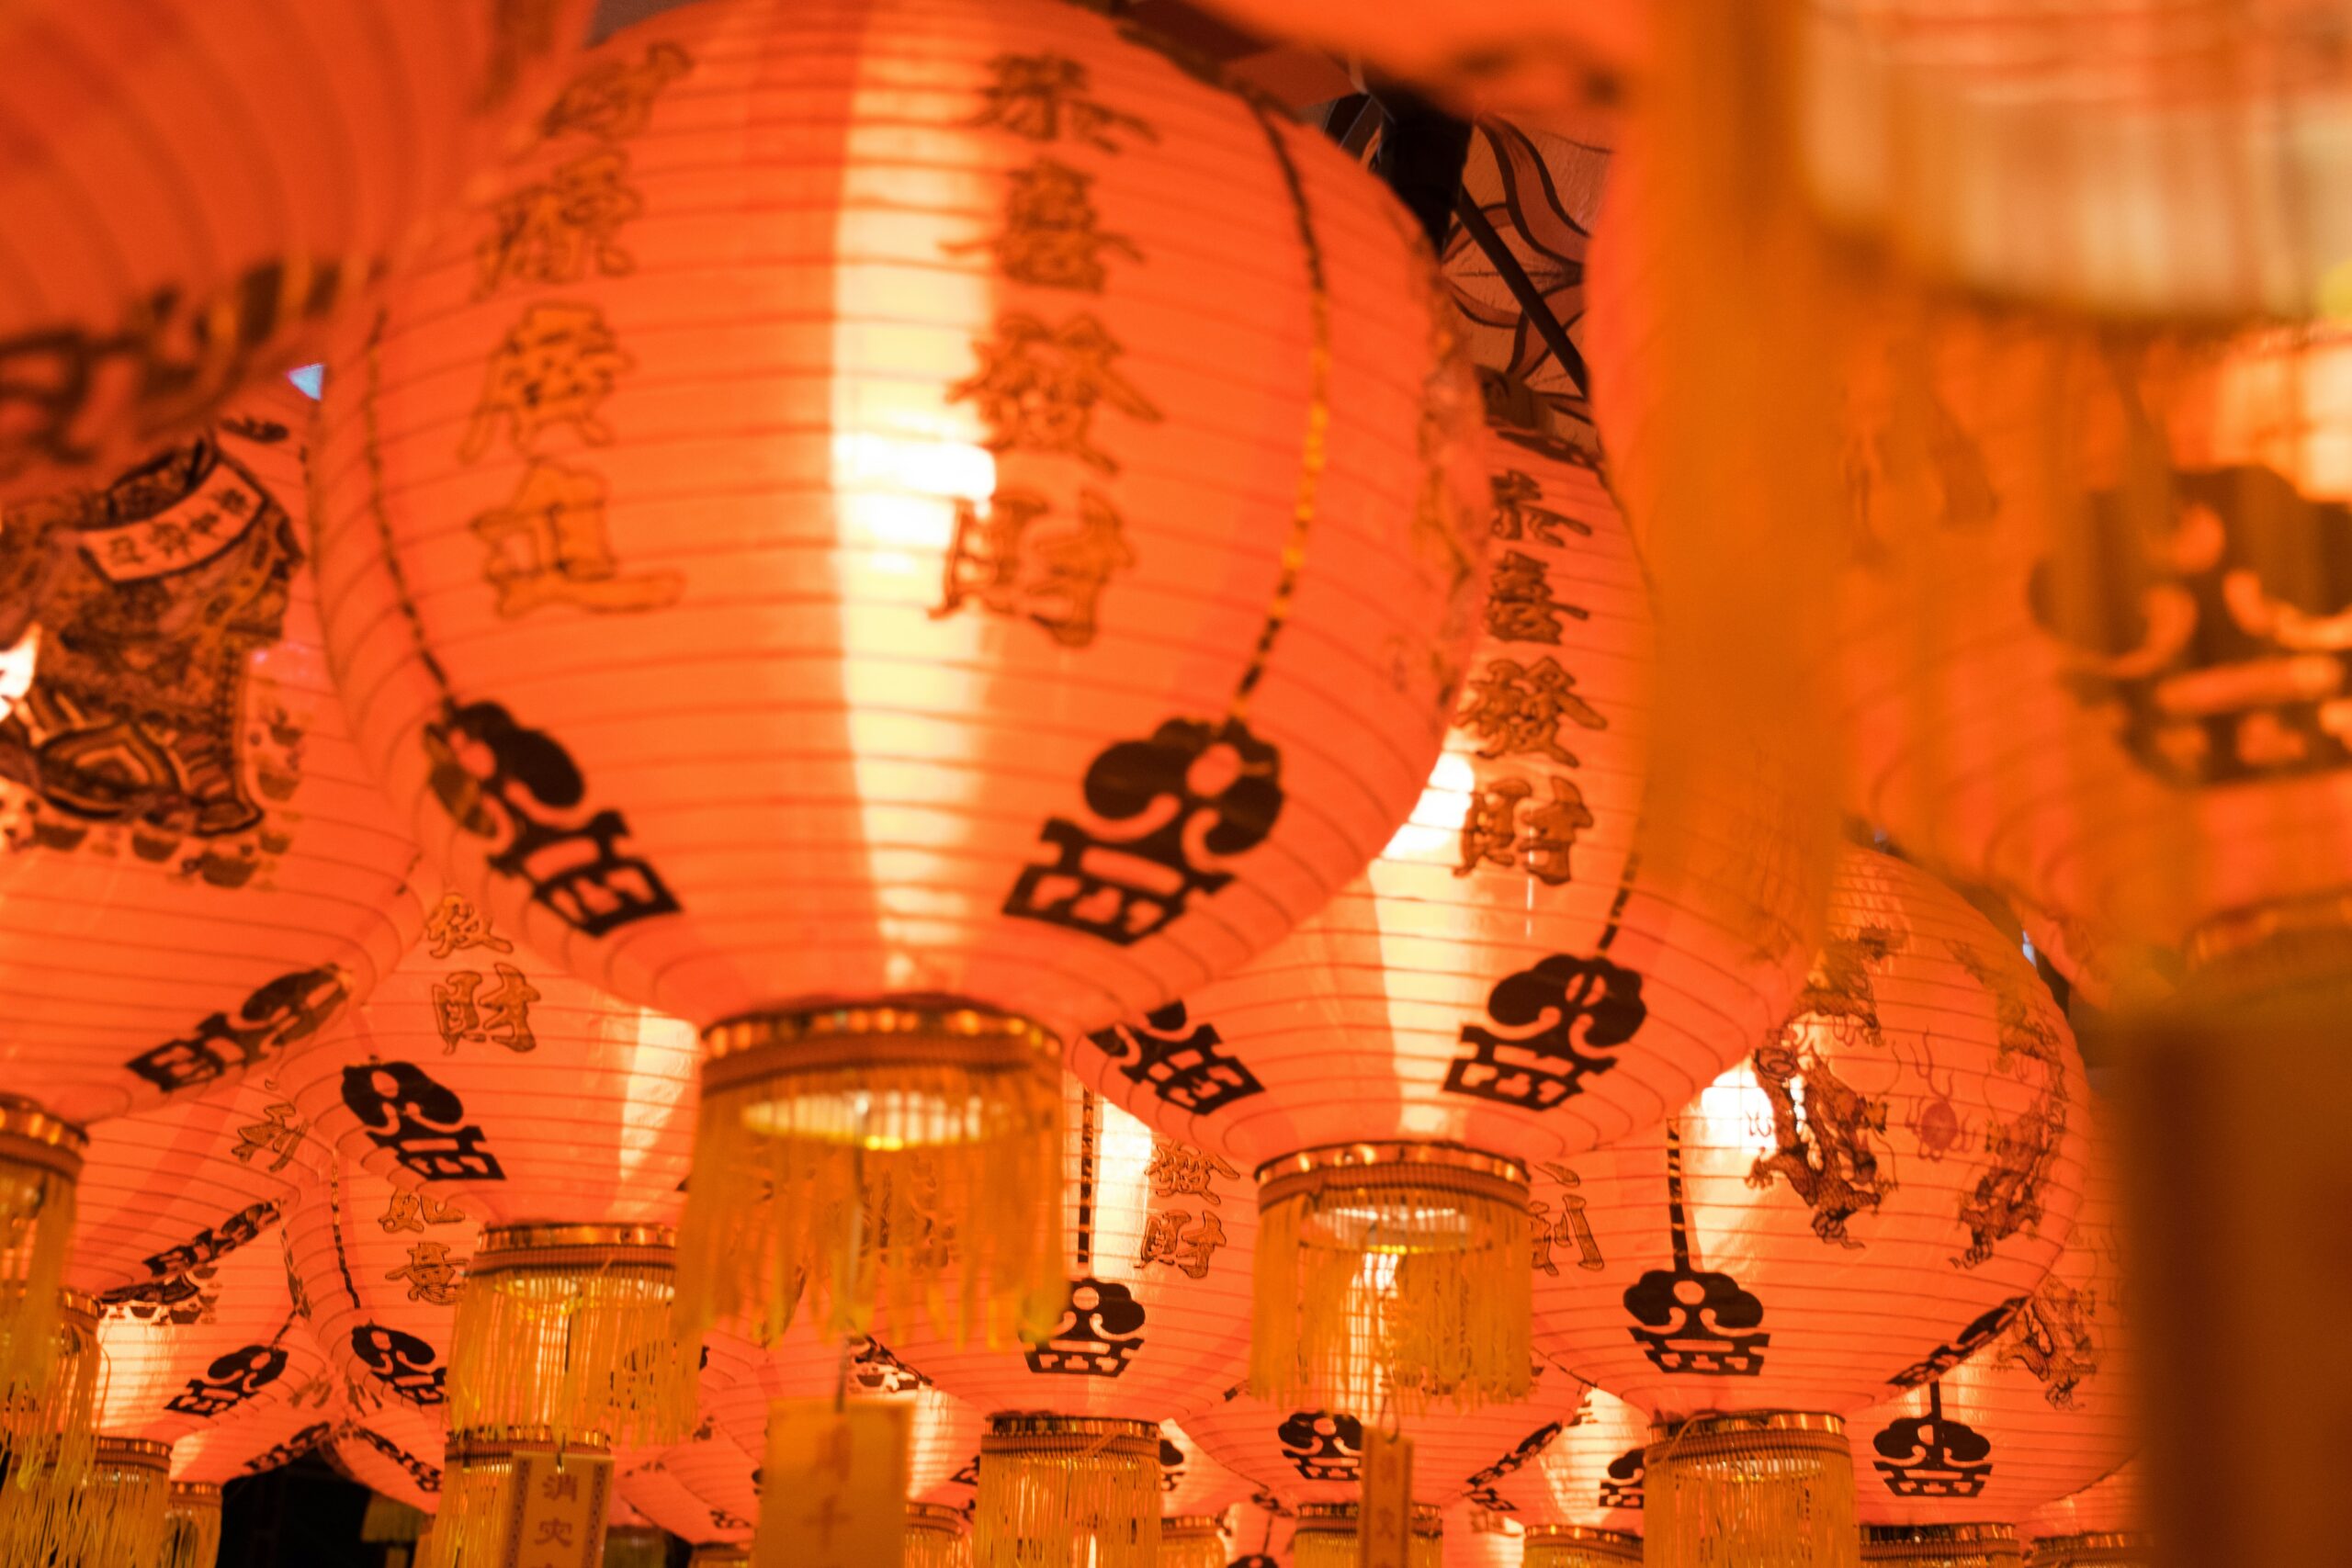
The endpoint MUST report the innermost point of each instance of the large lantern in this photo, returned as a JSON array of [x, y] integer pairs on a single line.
[[1851, 1212], [197, 872], [1580, 1497], [1511, 982], [480, 1076], [2042, 1410], [2103, 1525], [211, 180], [393, 1451], [1155, 1239], [914, 597], [1476, 1537]]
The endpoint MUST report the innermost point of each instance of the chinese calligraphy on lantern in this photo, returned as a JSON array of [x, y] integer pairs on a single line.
[[465, 1013]]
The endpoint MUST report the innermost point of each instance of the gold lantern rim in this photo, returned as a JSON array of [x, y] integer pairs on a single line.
[[474, 1444], [1277, 1178], [1028, 1432], [30, 1135], [1587, 1535], [1728, 1425], [203, 1492], [1187, 1525], [937, 1517], [569, 1244], [133, 1453], [1328, 1519]]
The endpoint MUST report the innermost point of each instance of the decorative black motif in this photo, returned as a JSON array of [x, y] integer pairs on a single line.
[[1171, 1466], [301, 1443], [968, 1476], [1620, 1487], [502, 781], [1193, 789], [420, 1120], [875, 1370], [288, 1009], [1932, 1456], [213, 1242], [1482, 1484], [177, 1300], [1987, 1328], [230, 1381], [1186, 1063], [1586, 1007], [1322, 1445], [1686, 1312], [427, 1477], [402, 1362], [1100, 1332], [2219, 667]]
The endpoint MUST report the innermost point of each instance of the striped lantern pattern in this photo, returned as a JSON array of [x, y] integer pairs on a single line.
[[212, 181], [1589, 1477], [394, 1450], [1853, 1210]]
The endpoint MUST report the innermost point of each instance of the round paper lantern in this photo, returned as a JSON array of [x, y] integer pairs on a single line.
[[478, 1074], [394, 1450], [382, 1269], [1509, 983], [2103, 1525], [197, 873], [1851, 1212], [2040, 1411], [652, 1489], [2107, 137], [1196, 1498], [1263, 1529], [211, 180], [1476, 1537], [1315, 1456], [1580, 1497], [897, 596], [1558, 64], [1155, 1240]]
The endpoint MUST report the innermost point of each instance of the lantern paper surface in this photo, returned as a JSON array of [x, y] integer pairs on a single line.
[[394, 1450], [213, 180], [382, 1269], [1316, 1456], [1155, 1238], [1588, 1475], [2110, 1506], [942, 1432], [198, 872], [2039, 1413], [1191, 1483], [1855, 1207], [1476, 1537], [844, 406], [1261, 1533]]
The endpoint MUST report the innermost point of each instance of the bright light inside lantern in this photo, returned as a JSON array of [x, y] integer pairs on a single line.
[[1435, 826], [18, 664]]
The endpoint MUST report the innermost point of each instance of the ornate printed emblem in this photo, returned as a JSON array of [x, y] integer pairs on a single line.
[[1203, 787], [1321, 1445], [301, 1443], [229, 1382], [1933, 1456], [427, 1477], [287, 1010], [1483, 1482], [2007, 1197], [1822, 1132], [1694, 1322], [135, 721], [420, 1120], [1986, 1328], [1621, 1484], [1576, 1013], [1186, 1063], [402, 1362], [2051, 1337], [1100, 1332]]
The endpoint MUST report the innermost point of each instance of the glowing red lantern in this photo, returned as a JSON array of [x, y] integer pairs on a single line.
[[395, 1450], [1580, 1497], [1476, 1537], [1854, 1212], [914, 600], [1509, 983], [197, 873], [1196, 1498], [2103, 1525], [1263, 1529], [213, 180], [1155, 1239]]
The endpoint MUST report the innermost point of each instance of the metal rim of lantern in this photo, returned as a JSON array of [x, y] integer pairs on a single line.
[[2094, 1549], [1946, 1546], [1326, 1536], [1579, 1546]]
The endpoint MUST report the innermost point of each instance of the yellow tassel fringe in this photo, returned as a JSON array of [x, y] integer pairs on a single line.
[[936, 1538], [192, 1526], [1393, 1283], [1770, 1489], [1579, 1546], [1058, 1490], [1192, 1540], [48, 1438], [41, 1162], [921, 1143], [480, 1509], [1943, 1546], [572, 1329], [113, 1511], [1326, 1538]]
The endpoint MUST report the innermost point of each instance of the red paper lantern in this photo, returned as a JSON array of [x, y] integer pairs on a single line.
[[395, 1450], [1511, 983], [1580, 1498], [2038, 1412], [211, 180], [1476, 1537], [1263, 1529], [198, 871], [887, 589], [1155, 1238], [1854, 1211], [1196, 1500], [2103, 1525], [480, 1076]]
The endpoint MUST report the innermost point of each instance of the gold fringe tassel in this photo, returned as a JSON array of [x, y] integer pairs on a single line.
[[1943, 1546], [936, 1538], [1068, 1489], [847, 1160], [48, 1440], [1327, 1537], [721, 1554], [1391, 1276], [1192, 1540], [478, 1506], [2104, 1549], [572, 1328], [112, 1511], [1579, 1546], [636, 1546], [1764, 1489], [390, 1519], [192, 1526], [40, 1165]]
